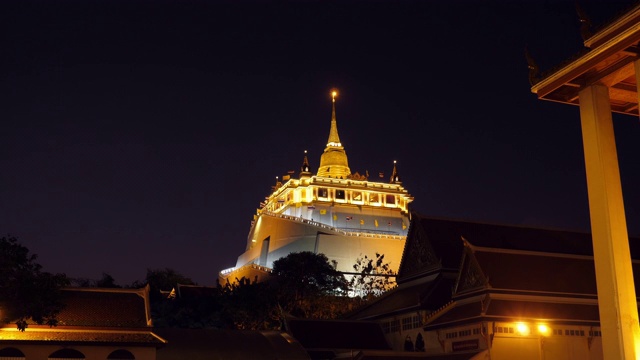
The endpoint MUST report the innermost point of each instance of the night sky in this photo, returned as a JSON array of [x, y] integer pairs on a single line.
[[144, 134]]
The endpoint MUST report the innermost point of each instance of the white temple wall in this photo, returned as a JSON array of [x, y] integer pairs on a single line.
[[347, 249], [287, 236]]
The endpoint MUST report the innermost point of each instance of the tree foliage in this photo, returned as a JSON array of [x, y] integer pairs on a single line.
[[106, 281], [161, 280], [26, 292], [305, 273], [372, 278], [307, 283], [247, 305], [302, 284]]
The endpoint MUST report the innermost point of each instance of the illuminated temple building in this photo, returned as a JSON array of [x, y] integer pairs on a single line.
[[340, 214]]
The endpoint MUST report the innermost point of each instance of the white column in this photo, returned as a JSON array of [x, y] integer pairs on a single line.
[[614, 277]]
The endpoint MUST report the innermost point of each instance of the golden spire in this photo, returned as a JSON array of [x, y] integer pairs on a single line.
[[395, 177], [334, 139], [333, 161]]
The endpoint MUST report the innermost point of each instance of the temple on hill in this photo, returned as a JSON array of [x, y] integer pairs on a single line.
[[340, 214]]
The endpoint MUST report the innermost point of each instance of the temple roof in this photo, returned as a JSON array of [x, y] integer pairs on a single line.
[[55, 335], [94, 316], [609, 60], [434, 243], [105, 308], [488, 258], [430, 293]]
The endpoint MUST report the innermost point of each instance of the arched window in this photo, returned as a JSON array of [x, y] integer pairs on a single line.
[[64, 354], [408, 344], [11, 354], [121, 355], [419, 342]]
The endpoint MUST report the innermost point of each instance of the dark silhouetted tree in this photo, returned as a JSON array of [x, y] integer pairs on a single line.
[[373, 277], [168, 312], [106, 281], [27, 292], [161, 280], [304, 279], [250, 305]]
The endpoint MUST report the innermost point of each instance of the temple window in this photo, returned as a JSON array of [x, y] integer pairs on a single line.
[[340, 194], [406, 323], [67, 354], [374, 198], [394, 326], [390, 199], [121, 355], [11, 353], [323, 193], [357, 196]]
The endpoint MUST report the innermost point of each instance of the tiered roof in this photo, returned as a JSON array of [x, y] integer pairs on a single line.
[[462, 272], [94, 316]]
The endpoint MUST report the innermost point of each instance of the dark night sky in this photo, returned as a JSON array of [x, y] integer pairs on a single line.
[[143, 134]]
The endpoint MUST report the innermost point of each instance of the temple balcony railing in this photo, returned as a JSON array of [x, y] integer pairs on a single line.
[[367, 233]]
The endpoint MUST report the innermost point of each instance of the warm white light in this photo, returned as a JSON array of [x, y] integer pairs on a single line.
[[543, 329], [523, 329]]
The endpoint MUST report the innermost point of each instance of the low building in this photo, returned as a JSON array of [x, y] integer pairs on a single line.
[[493, 290], [95, 323]]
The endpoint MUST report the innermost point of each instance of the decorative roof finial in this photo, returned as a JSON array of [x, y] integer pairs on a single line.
[[585, 22], [395, 177], [534, 77], [304, 170], [334, 139]]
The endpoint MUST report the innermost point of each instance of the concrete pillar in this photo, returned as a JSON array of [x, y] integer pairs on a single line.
[[614, 277]]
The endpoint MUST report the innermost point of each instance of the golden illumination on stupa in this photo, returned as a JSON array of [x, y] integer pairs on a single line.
[[340, 214]]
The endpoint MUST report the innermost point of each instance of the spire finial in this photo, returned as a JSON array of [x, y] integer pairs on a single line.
[[533, 68], [395, 177], [304, 170], [334, 139], [585, 22]]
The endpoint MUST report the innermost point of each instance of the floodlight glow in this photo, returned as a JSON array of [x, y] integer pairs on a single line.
[[543, 329], [522, 328]]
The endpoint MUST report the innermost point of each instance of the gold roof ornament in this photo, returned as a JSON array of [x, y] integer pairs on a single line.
[[395, 177], [304, 169], [333, 161]]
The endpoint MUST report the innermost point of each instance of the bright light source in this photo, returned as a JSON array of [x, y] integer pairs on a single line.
[[522, 328], [543, 329]]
